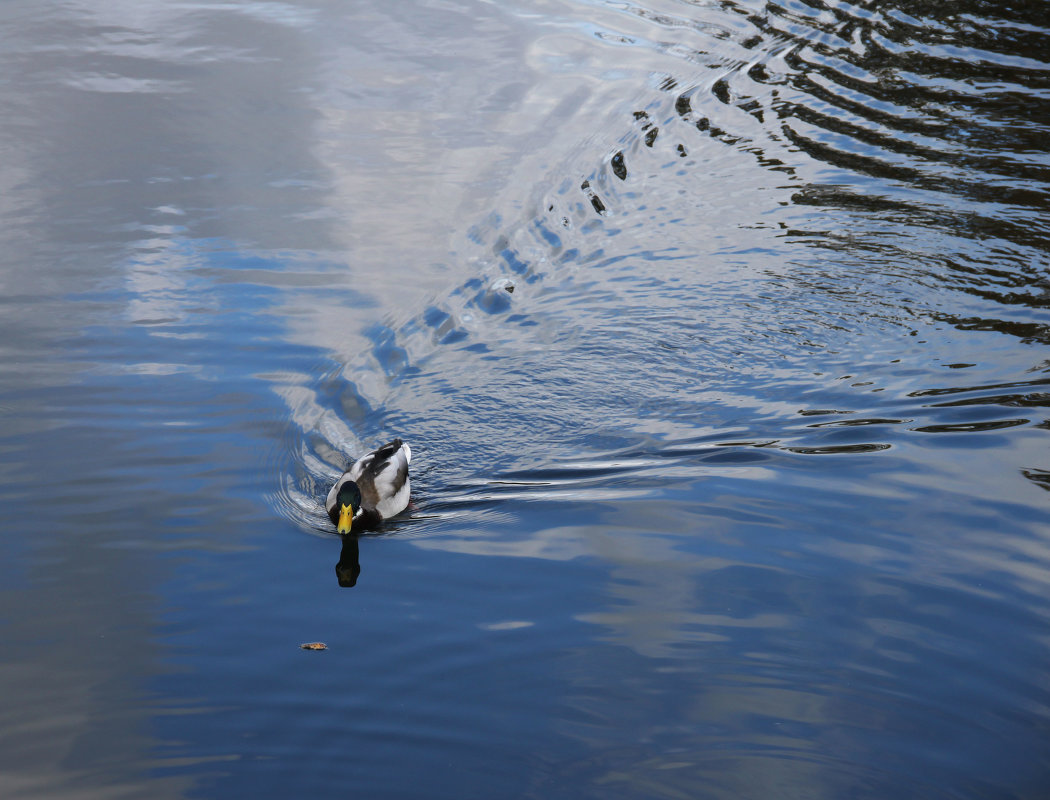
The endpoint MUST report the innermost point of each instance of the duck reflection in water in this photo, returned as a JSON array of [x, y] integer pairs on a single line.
[[349, 566]]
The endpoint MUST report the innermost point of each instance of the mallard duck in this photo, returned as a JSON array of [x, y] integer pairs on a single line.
[[375, 488]]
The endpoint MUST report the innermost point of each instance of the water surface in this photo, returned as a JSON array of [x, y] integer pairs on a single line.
[[719, 332]]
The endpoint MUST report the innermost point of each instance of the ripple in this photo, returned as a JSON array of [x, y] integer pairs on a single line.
[[972, 427]]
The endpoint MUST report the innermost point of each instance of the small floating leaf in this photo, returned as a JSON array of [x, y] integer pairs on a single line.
[[314, 646]]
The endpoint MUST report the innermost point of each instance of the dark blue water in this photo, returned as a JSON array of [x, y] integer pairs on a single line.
[[720, 335]]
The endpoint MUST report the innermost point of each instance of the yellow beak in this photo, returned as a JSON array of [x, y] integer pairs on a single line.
[[346, 518]]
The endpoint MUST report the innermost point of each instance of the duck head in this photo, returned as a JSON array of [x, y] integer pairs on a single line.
[[347, 503]]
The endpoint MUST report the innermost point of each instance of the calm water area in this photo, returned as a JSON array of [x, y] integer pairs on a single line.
[[720, 330]]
